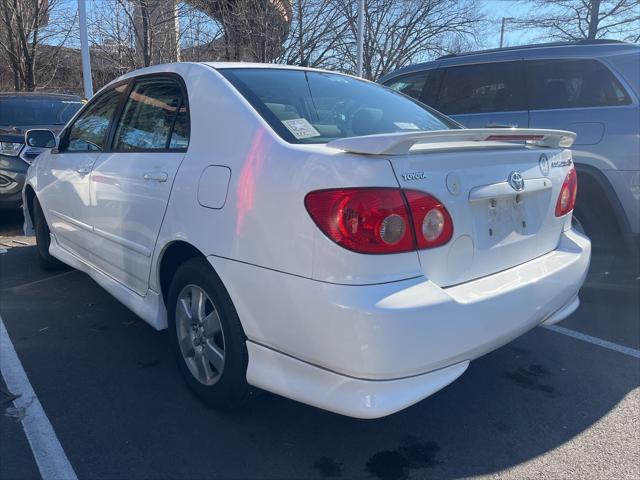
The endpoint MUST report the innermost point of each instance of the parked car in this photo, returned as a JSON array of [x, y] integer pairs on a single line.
[[591, 88], [18, 113], [309, 233]]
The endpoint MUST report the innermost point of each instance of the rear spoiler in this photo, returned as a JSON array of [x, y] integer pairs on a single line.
[[400, 143]]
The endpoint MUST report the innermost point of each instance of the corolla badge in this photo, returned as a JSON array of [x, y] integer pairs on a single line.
[[543, 163], [516, 181]]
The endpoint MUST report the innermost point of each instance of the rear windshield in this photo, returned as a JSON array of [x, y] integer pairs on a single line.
[[316, 107], [23, 111]]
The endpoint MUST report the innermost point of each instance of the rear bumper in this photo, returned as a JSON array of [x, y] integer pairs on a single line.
[[328, 390], [391, 345]]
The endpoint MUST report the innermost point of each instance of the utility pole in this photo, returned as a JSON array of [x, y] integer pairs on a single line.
[[504, 22], [84, 45], [360, 36]]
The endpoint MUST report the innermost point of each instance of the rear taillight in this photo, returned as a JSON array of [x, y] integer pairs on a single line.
[[433, 223], [567, 198], [379, 220]]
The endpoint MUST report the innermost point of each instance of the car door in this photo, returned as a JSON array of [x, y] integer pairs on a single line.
[[131, 183], [484, 95], [64, 188]]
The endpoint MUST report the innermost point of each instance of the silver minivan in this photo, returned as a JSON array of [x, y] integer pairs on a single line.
[[591, 88]]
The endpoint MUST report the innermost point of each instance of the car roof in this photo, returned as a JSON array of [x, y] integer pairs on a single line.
[[597, 48], [278, 66], [61, 96], [558, 46], [170, 67], [179, 66]]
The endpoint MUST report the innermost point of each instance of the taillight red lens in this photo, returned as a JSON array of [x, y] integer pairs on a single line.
[[432, 221], [567, 198], [378, 220], [365, 220]]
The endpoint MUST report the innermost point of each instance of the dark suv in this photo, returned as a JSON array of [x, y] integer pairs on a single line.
[[20, 112], [591, 88]]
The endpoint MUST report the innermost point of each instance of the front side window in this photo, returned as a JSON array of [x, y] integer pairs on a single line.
[[482, 88], [557, 84], [88, 132], [317, 107], [155, 117], [411, 85]]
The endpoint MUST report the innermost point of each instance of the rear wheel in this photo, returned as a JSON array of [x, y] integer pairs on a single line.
[[207, 336], [594, 217], [43, 239]]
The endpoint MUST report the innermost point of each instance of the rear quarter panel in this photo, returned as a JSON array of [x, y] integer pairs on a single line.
[[264, 221]]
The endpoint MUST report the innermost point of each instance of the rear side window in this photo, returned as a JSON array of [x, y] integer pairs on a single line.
[[88, 132], [411, 85], [155, 117], [180, 134], [557, 84], [480, 88]]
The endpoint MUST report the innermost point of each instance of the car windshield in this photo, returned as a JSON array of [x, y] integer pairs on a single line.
[[23, 111], [317, 107]]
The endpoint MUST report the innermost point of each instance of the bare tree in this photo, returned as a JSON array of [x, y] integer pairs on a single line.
[[398, 32], [317, 29], [252, 30], [155, 28], [112, 38], [129, 34], [586, 19], [24, 29], [200, 34]]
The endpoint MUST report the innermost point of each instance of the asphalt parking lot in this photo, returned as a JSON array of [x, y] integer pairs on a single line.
[[561, 403]]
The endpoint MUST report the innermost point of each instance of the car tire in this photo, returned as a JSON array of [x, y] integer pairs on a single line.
[[204, 328], [43, 240], [594, 217]]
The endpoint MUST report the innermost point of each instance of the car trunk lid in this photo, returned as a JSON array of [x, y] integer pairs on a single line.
[[501, 198]]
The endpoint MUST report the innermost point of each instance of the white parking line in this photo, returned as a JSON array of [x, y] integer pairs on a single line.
[[47, 451], [36, 282], [594, 340]]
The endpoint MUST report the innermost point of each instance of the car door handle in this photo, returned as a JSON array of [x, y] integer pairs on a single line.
[[156, 176], [84, 169]]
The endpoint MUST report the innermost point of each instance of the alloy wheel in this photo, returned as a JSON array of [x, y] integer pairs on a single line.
[[200, 334]]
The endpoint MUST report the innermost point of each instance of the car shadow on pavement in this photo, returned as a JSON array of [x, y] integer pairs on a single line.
[[111, 389]]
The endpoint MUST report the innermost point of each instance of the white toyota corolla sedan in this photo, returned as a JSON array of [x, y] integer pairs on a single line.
[[307, 232]]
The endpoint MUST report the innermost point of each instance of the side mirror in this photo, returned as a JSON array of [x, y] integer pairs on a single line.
[[40, 138]]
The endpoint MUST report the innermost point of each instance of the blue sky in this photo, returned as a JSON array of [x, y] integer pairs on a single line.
[[495, 10]]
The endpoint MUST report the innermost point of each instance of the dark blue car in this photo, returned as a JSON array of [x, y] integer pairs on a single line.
[[20, 112]]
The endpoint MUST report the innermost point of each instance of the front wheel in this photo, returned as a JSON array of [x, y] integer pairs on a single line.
[[207, 336]]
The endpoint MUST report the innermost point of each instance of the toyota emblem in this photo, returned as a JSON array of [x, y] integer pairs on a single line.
[[516, 181]]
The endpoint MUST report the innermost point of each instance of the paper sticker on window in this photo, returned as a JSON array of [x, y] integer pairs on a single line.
[[301, 128], [406, 126]]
